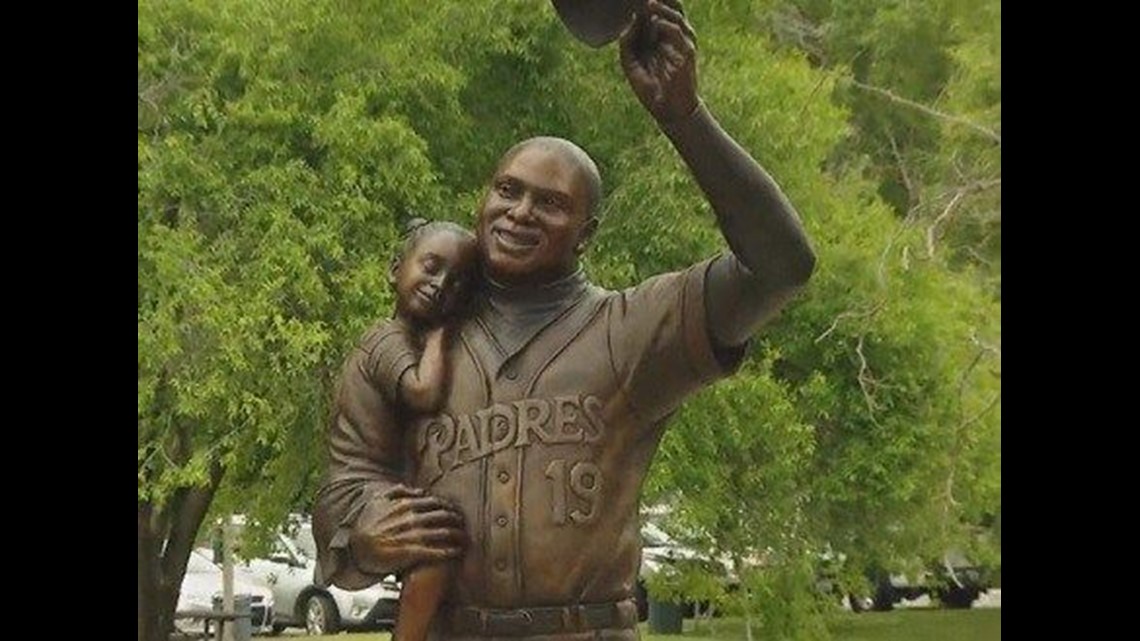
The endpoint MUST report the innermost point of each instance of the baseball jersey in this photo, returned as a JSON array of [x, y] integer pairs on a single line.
[[543, 444]]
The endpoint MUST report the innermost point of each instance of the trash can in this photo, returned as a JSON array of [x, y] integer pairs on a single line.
[[664, 617], [242, 627]]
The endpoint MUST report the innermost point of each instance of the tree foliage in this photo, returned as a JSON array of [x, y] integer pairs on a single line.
[[893, 355]]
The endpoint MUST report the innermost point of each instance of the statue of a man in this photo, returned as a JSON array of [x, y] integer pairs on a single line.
[[528, 477]]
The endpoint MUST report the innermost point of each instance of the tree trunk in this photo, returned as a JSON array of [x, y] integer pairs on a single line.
[[166, 537], [151, 627], [738, 568]]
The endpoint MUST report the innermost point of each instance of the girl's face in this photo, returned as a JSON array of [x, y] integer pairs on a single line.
[[432, 275]]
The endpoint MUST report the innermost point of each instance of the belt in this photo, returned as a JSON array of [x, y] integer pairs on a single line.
[[468, 621]]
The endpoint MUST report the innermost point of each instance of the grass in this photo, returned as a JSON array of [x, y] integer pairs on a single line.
[[921, 625], [900, 625]]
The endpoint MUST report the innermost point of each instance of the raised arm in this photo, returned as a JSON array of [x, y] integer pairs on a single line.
[[771, 258]]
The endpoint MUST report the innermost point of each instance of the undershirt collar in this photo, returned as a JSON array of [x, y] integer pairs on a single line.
[[514, 315]]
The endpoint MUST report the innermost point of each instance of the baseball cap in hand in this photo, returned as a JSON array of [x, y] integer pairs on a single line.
[[596, 22]]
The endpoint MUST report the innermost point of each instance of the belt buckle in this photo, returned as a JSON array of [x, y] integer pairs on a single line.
[[512, 623]]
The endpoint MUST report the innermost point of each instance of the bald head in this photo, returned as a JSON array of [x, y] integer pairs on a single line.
[[588, 171]]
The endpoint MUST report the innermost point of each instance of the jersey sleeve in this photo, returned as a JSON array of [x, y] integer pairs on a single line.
[[390, 351], [660, 346]]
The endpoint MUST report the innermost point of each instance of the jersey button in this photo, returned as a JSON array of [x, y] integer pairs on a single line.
[[511, 374], [504, 476], [501, 521]]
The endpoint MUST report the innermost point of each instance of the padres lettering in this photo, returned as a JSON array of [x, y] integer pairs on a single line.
[[447, 442]]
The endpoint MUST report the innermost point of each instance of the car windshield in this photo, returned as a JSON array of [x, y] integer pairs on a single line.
[[199, 564]]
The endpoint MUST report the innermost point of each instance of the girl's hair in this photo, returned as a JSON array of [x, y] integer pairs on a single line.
[[418, 228]]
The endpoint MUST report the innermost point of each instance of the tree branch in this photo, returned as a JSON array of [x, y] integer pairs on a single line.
[[960, 431], [978, 257], [982, 412], [984, 345], [850, 314], [866, 380], [985, 131], [930, 231], [881, 271], [912, 197], [959, 194]]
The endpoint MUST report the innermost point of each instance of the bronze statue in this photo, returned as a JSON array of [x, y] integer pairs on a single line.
[[527, 477]]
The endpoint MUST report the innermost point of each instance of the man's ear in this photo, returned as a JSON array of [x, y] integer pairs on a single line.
[[587, 233], [393, 268]]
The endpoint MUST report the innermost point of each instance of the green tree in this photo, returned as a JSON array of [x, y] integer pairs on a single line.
[[923, 83], [272, 179], [892, 356]]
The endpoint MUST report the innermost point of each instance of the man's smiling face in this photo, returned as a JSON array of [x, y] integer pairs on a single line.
[[535, 217]]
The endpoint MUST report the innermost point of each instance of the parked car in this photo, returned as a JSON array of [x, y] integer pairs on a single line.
[[953, 580], [289, 571], [660, 552], [202, 588]]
